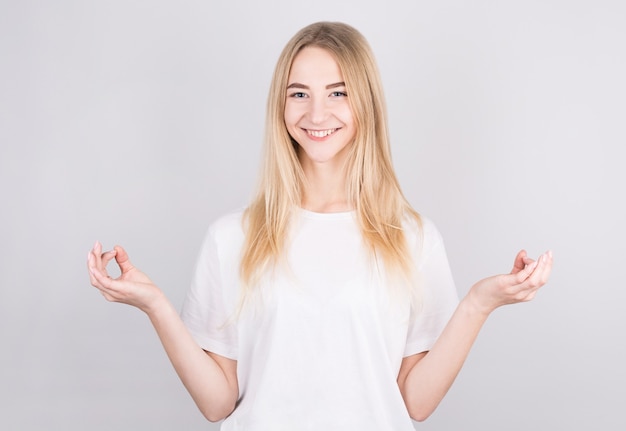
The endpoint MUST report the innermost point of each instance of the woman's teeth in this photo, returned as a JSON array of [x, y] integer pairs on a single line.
[[321, 133]]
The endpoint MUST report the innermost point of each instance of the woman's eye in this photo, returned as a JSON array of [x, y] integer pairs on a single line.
[[339, 94], [298, 95]]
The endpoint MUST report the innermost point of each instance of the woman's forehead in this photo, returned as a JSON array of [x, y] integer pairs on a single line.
[[315, 65]]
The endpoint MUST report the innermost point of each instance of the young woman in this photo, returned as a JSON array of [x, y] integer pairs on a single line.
[[327, 304]]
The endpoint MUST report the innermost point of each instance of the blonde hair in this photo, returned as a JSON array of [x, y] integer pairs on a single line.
[[372, 187]]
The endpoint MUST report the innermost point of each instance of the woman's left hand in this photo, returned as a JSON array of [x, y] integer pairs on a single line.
[[521, 285]]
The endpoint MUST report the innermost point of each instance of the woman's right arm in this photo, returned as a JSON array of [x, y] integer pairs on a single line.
[[211, 379]]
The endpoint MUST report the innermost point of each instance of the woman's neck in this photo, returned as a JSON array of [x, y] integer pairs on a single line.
[[325, 189]]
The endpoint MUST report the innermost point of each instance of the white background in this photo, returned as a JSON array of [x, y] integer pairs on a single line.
[[139, 122]]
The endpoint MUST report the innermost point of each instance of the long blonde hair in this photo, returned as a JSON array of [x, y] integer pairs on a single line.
[[372, 187]]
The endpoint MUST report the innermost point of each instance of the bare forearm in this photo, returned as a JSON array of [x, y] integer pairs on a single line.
[[429, 379], [213, 391], [210, 379], [425, 379]]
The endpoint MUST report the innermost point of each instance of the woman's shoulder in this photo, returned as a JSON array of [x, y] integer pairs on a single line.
[[418, 222], [228, 225], [422, 231]]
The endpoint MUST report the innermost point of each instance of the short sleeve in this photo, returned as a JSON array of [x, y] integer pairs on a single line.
[[210, 304], [439, 296]]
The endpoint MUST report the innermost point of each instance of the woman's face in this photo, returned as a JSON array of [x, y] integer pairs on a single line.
[[317, 113]]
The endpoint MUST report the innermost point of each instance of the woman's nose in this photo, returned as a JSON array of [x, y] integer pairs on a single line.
[[318, 110]]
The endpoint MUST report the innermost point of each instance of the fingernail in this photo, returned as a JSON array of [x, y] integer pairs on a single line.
[[550, 254]]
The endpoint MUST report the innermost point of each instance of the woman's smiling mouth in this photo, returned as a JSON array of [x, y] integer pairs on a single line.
[[321, 133]]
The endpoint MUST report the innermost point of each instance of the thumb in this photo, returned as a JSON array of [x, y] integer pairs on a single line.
[[121, 257], [520, 262], [524, 273]]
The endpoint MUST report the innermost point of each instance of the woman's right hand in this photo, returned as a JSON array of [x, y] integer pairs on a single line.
[[132, 287]]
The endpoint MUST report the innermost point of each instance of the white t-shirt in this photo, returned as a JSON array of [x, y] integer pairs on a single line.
[[321, 346]]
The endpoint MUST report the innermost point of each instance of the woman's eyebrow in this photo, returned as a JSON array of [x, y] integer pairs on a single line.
[[335, 85], [306, 87], [297, 85]]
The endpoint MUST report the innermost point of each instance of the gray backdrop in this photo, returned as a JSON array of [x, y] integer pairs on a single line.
[[139, 122]]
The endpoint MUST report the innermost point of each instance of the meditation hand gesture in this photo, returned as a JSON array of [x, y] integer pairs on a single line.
[[521, 285], [132, 287]]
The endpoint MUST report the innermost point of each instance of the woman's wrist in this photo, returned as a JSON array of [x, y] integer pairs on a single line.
[[474, 306], [157, 305]]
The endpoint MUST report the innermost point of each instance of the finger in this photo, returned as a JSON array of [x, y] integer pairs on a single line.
[[90, 265], [102, 258], [538, 277], [121, 257], [106, 258], [96, 251], [519, 277], [108, 293], [97, 248], [98, 256], [95, 275], [544, 267], [519, 262], [102, 281]]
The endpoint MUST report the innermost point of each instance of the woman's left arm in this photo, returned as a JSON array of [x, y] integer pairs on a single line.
[[425, 378]]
